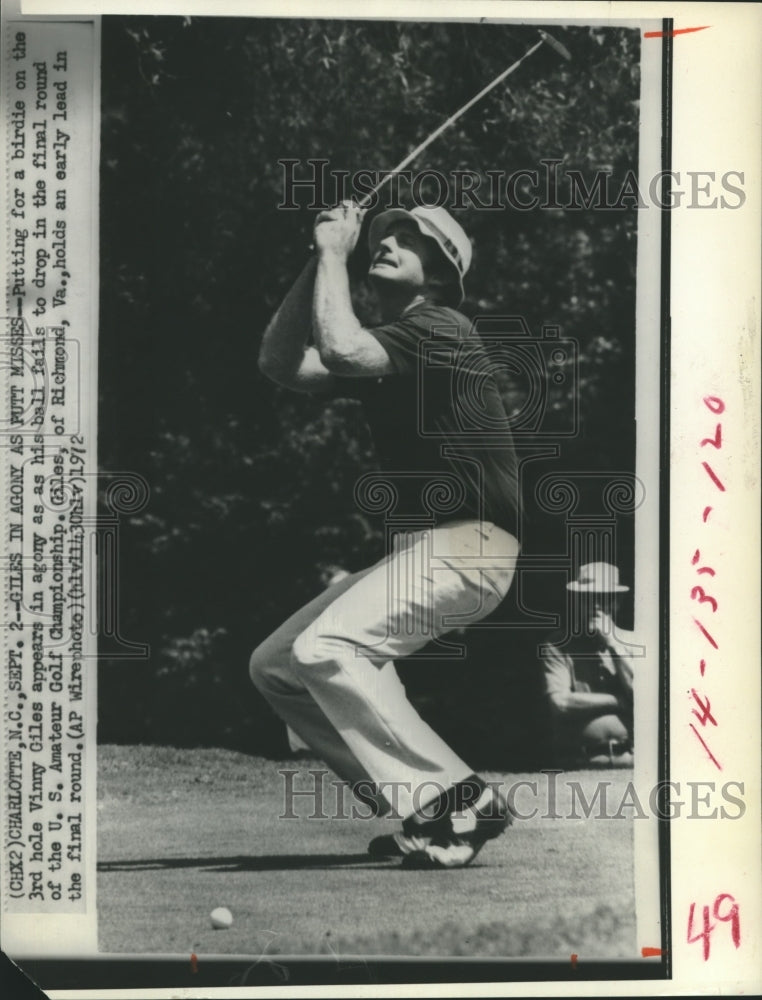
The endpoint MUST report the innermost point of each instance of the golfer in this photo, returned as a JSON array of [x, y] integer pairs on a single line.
[[449, 485]]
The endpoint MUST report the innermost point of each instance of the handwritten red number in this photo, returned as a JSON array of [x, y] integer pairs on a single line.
[[708, 636], [702, 741], [704, 934], [701, 569], [706, 709], [713, 476], [716, 441], [732, 917], [715, 404], [698, 594]]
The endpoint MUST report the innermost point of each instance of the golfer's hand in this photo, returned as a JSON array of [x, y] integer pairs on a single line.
[[338, 230], [603, 625]]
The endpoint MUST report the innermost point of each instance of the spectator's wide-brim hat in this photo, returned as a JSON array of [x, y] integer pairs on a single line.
[[597, 578], [438, 225]]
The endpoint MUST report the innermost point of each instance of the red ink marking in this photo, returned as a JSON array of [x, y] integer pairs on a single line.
[[650, 952], [574, 960], [706, 709], [705, 515], [716, 441], [713, 476], [706, 634], [703, 744], [701, 569], [671, 34], [714, 403], [700, 595], [732, 917], [702, 667], [194, 963], [703, 936]]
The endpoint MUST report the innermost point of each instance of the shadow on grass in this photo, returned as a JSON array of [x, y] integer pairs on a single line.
[[261, 863], [246, 863]]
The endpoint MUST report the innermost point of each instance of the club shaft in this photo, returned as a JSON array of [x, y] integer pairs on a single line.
[[446, 124]]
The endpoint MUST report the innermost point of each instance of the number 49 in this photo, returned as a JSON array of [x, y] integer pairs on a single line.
[[731, 916]]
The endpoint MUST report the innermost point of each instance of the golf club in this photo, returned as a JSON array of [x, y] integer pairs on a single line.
[[545, 39]]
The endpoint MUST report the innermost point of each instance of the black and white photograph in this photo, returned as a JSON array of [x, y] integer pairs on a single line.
[[368, 560], [368, 351]]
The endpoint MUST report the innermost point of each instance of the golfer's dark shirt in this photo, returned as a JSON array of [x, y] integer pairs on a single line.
[[439, 426]]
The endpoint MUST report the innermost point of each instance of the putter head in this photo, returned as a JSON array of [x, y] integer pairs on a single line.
[[554, 44]]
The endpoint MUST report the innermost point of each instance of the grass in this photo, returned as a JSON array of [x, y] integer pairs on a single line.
[[181, 832]]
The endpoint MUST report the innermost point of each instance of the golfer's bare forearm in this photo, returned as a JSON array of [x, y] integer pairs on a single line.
[[583, 703], [282, 348], [334, 322]]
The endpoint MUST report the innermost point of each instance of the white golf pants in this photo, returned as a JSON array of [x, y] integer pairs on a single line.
[[328, 671]]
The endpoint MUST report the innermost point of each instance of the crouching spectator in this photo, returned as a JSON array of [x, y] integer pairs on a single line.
[[589, 677]]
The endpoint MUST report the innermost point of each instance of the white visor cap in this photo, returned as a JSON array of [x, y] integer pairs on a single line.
[[437, 224]]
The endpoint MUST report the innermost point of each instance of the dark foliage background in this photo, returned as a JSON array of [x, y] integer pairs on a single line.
[[251, 487]]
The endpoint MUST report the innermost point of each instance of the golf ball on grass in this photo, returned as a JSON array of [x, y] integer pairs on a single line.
[[221, 918]]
